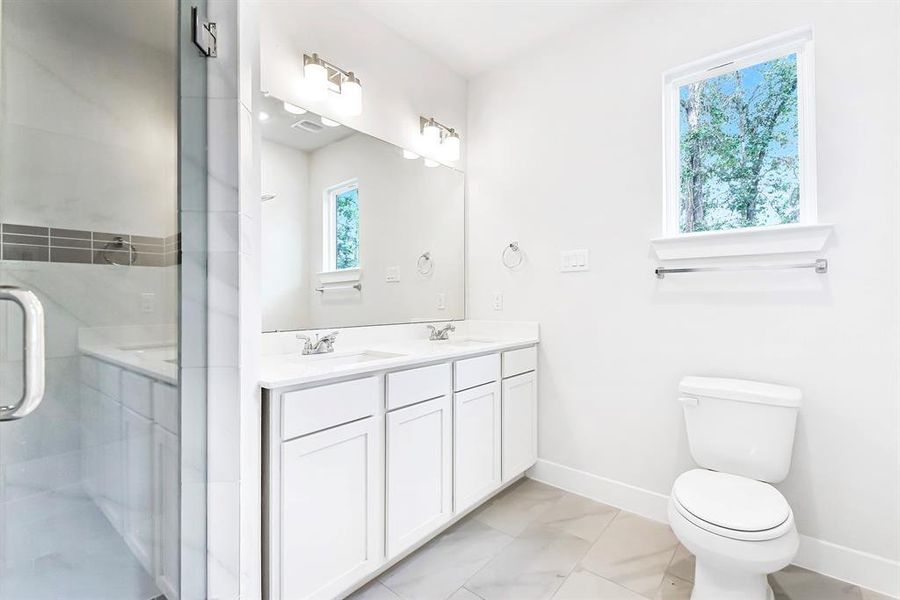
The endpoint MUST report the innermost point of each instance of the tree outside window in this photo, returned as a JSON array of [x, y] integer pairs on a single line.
[[738, 142], [346, 208]]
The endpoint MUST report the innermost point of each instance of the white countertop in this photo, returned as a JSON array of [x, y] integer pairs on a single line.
[[149, 350], [400, 350]]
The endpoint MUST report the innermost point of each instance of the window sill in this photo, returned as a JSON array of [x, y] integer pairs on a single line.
[[753, 241], [340, 276]]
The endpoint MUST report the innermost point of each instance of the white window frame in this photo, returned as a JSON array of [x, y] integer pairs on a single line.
[[799, 42], [329, 225]]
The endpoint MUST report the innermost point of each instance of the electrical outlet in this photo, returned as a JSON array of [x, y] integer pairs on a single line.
[[498, 300], [148, 302], [392, 275], [441, 301], [573, 260]]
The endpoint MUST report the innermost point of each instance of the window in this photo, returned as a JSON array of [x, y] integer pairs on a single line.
[[740, 147], [341, 227]]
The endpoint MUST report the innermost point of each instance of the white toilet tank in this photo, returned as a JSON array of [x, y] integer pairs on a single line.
[[740, 427]]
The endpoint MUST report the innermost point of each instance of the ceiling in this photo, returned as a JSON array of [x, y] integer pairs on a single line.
[[475, 36], [277, 128]]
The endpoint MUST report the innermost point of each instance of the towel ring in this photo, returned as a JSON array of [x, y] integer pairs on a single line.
[[511, 256], [425, 264], [118, 243]]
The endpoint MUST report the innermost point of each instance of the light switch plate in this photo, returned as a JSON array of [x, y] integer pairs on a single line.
[[392, 274], [441, 301], [573, 260], [498, 300]]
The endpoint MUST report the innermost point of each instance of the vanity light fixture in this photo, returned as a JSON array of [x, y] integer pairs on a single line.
[[294, 109], [439, 138], [450, 146], [409, 154], [328, 122], [324, 79]]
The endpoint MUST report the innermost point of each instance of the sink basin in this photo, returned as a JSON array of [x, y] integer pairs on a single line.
[[464, 342], [165, 352], [350, 358]]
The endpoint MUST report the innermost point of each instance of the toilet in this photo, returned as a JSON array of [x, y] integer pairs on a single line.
[[726, 513]]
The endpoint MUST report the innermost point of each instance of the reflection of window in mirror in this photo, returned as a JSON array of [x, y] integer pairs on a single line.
[[341, 227]]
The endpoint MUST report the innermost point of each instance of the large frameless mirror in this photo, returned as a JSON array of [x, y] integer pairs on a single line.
[[354, 230]]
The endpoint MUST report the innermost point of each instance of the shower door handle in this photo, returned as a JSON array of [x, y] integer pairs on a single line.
[[33, 351]]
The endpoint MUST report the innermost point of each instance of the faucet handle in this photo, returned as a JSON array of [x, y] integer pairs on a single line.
[[307, 343]]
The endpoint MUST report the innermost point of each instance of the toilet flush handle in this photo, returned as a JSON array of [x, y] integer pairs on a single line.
[[688, 401]]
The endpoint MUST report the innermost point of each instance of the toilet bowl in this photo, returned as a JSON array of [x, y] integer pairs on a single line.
[[739, 530], [737, 525]]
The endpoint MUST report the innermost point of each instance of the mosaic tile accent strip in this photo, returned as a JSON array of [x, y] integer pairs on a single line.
[[76, 246]]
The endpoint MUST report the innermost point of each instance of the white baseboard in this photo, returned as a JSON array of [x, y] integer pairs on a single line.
[[866, 570]]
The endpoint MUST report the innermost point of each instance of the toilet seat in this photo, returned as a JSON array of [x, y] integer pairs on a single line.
[[732, 506]]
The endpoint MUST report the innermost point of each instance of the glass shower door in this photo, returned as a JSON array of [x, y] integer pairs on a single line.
[[91, 477]]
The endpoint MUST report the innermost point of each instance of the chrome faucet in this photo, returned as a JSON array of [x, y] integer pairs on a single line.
[[322, 345], [442, 333]]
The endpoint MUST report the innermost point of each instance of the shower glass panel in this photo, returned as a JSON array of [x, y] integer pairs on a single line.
[[94, 140]]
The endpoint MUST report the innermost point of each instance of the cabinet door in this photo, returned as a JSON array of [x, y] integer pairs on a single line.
[[519, 424], [419, 459], [329, 514], [138, 436], [167, 499], [476, 464]]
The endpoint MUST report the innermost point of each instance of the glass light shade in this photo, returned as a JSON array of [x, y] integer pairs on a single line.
[[431, 163], [409, 154], [350, 99], [294, 109], [450, 147], [431, 135], [328, 122], [315, 81]]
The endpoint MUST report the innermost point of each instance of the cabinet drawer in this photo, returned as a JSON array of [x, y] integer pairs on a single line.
[[519, 361], [314, 409], [476, 371], [415, 385]]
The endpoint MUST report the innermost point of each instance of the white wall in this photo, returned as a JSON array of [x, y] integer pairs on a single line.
[[615, 341], [284, 277], [400, 81], [89, 135]]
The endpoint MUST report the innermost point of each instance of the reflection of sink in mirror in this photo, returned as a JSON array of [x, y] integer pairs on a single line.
[[351, 358], [165, 352]]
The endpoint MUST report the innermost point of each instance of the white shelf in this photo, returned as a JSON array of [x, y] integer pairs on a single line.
[[752, 241]]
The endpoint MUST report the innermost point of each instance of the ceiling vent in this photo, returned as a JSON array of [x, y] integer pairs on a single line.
[[308, 126]]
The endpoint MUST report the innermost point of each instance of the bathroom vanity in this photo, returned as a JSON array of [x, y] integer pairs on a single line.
[[372, 450], [130, 444]]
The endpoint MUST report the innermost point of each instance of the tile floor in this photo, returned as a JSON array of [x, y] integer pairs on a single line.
[[81, 558], [534, 541]]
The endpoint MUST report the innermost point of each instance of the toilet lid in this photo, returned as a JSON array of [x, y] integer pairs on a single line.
[[730, 501]]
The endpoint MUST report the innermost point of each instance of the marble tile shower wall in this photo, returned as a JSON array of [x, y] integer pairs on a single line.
[[51, 244]]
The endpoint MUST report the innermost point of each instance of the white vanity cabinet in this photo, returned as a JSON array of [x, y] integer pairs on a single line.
[[418, 455], [360, 472], [325, 516], [131, 462], [477, 429], [418, 474], [330, 532], [519, 418]]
